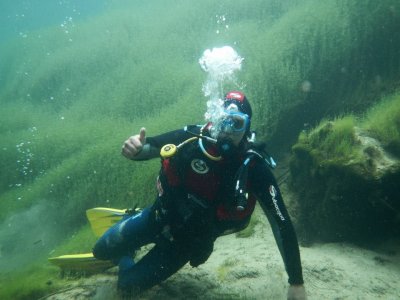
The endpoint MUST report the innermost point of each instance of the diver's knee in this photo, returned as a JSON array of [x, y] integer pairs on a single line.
[[101, 251]]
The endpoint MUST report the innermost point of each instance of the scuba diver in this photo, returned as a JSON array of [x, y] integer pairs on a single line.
[[210, 179]]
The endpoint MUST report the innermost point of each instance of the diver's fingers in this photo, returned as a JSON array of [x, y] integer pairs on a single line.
[[142, 135], [127, 152], [131, 147], [135, 143]]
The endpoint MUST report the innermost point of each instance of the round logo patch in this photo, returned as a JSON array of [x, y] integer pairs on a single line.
[[199, 166]]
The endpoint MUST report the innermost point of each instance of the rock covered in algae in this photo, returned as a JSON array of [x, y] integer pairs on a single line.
[[347, 185]]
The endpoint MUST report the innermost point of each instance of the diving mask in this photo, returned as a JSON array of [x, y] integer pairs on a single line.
[[234, 122]]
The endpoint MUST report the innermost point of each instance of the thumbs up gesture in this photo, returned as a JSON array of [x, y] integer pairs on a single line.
[[134, 144]]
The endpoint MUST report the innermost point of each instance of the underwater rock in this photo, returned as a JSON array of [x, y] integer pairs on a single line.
[[379, 161], [351, 195]]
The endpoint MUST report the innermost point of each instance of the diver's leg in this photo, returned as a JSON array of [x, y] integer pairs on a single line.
[[158, 264], [127, 235]]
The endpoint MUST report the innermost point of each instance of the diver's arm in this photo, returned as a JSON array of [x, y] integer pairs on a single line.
[[140, 147], [272, 204], [135, 145], [147, 152]]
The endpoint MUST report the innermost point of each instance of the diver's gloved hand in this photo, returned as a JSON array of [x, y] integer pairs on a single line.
[[296, 292], [134, 144]]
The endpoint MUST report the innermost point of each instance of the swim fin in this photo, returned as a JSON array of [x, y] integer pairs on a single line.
[[84, 262], [102, 218]]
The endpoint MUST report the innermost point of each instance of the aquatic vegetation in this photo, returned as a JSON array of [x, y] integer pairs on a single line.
[[71, 93], [224, 269], [383, 122], [331, 140], [31, 282], [347, 184], [319, 60]]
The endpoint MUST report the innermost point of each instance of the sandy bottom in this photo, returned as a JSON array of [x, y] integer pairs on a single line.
[[252, 268]]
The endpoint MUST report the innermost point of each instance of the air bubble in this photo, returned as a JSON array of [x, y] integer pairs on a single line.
[[221, 65]]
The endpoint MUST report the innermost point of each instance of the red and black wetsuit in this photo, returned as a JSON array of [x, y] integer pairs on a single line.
[[212, 184], [196, 203]]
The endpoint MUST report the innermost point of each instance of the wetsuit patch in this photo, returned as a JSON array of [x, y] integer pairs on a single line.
[[199, 166], [273, 192]]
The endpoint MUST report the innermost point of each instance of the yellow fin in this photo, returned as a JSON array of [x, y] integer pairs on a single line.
[[84, 262], [102, 218]]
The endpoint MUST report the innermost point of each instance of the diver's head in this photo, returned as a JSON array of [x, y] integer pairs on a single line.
[[239, 99], [234, 124], [238, 113]]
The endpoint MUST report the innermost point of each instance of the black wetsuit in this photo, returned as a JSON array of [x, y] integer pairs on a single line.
[[195, 205]]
